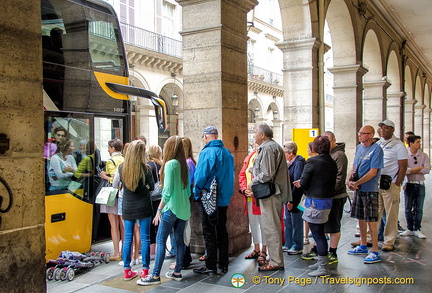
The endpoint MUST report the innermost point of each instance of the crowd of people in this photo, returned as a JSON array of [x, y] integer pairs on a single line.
[[285, 196]]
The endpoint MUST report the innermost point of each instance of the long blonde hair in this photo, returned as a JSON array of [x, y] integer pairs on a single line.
[[155, 154], [134, 165], [174, 150]]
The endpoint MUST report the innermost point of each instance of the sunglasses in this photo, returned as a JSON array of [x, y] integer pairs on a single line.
[[415, 160]]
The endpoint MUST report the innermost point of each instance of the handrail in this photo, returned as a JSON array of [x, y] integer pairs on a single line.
[[142, 38]]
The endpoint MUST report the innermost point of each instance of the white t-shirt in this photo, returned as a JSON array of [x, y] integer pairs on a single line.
[[394, 150]]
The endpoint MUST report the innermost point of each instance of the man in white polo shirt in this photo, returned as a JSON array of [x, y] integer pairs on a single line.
[[395, 166]]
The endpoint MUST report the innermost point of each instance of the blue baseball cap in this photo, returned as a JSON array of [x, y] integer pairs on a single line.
[[210, 130]]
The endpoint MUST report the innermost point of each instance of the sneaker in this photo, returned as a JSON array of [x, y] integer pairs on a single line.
[[135, 262], [285, 248], [407, 233], [169, 255], [372, 258], [358, 250], [144, 273], [294, 251], [310, 255], [204, 270], [171, 275], [332, 258], [129, 274], [149, 280], [419, 234]]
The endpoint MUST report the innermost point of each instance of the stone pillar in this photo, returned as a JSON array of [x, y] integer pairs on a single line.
[[374, 102], [348, 109], [22, 226], [301, 105], [395, 108], [426, 131], [215, 90], [277, 131], [418, 119], [409, 115], [146, 122]]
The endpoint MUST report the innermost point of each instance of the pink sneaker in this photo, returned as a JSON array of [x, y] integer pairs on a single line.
[[129, 274], [144, 273]]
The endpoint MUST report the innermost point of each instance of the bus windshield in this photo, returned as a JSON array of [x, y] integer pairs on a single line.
[[83, 38]]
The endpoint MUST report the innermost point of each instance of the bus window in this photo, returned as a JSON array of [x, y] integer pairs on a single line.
[[107, 129], [70, 156]]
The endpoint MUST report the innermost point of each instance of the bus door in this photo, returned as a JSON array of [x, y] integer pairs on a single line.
[[105, 129], [69, 153]]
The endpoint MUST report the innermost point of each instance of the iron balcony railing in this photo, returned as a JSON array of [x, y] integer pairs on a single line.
[[142, 38], [264, 75]]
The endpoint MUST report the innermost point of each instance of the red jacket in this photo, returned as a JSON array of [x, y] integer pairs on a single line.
[[243, 186]]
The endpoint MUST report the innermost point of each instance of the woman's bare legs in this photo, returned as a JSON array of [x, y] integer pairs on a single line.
[[115, 233]]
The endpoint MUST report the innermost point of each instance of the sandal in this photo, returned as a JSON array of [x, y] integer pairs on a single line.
[[202, 258], [253, 255], [262, 258]]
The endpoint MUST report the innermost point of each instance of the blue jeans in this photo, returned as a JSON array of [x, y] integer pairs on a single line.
[[168, 222], [414, 200], [145, 241], [293, 229]]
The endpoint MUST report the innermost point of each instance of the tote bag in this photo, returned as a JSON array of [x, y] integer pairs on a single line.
[[107, 196], [208, 198]]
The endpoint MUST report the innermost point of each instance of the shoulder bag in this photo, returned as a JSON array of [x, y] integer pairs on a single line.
[[156, 193], [266, 189]]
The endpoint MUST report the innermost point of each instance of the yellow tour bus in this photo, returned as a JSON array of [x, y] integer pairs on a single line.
[[86, 103]]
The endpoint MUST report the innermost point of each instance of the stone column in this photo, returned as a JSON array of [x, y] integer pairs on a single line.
[[418, 119], [301, 105], [348, 109], [374, 102], [395, 107], [215, 90], [277, 131], [409, 115], [426, 131], [146, 122], [22, 225]]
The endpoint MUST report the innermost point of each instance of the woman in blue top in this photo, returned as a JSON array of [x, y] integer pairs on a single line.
[[173, 211]]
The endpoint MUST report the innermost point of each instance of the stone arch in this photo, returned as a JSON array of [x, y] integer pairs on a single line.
[[374, 109], [254, 107], [393, 70], [371, 56], [394, 93], [342, 34], [296, 19], [409, 99], [419, 106]]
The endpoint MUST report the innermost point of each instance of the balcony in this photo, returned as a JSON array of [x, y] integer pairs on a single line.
[[145, 39], [264, 75]]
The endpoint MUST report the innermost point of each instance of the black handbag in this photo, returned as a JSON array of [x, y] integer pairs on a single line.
[[263, 190], [266, 189]]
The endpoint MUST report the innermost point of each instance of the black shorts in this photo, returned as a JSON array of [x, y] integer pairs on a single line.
[[365, 206], [333, 224]]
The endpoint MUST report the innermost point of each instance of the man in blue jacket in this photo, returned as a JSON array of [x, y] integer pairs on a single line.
[[215, 162]]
